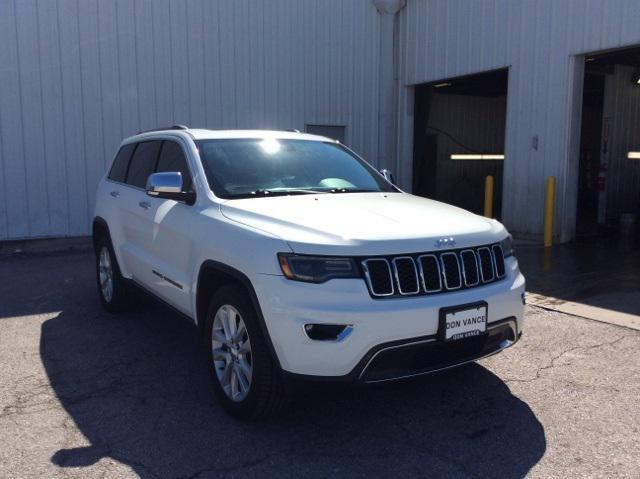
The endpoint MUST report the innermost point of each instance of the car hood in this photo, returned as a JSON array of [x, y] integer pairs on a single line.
[[362, 223]]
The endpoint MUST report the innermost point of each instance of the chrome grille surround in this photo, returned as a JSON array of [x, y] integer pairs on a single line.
[[422, 274], [434, 272], [367, 275], [457, 273], [498, 264], [464, 267], [483, 273], [394, 262]]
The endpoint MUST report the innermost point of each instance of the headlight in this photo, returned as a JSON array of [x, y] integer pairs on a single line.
[[507, 246], [316, 269]]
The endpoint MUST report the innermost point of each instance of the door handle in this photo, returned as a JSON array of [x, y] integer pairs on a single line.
[[144, 205], [115, 194]]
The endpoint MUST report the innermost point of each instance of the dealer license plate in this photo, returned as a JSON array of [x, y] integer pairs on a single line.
[[463, 322]]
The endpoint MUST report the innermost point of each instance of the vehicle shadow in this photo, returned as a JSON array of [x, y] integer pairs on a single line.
[[137, 387]]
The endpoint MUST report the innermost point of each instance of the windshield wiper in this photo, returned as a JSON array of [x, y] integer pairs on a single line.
[[353, 190], [285, 191]]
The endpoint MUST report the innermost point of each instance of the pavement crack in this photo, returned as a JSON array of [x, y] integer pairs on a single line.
[[552, 364]]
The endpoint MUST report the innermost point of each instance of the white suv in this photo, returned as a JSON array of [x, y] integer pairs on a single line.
[[296, 258]]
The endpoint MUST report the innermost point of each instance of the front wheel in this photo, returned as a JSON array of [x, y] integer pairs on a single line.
[[245, 379]]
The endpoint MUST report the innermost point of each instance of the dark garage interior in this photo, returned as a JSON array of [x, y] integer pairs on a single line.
[[459, 135], [609, 171]]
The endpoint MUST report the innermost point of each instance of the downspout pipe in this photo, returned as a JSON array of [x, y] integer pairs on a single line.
[[387, 91]]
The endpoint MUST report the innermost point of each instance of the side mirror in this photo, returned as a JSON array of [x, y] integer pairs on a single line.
[[388, 176], [168, 185]]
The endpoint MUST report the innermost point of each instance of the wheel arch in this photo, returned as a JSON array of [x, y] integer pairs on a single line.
[[211, 277], [99, 229]]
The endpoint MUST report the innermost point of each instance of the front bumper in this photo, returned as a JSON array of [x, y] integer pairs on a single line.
[[409, 324], [404, 359]]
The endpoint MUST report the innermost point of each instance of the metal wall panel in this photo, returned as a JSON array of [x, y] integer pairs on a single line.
[[538, 41], [77, 77]]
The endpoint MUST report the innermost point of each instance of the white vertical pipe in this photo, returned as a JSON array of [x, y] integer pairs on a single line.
[[387, 78]]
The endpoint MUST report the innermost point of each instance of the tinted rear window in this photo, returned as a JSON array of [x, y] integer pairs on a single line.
[[172, 159], [143, 163], [118, 170]]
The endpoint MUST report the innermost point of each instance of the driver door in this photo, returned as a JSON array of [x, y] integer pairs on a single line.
[[170, 224]]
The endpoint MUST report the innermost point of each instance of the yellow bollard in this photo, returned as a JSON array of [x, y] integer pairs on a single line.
[[549, 205], [488, 196]]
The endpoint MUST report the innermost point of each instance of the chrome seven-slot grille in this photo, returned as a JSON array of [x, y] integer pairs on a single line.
[[429, 273]]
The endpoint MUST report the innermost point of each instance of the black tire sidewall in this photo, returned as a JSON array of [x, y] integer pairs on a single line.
[[252, 406], [118, 297]]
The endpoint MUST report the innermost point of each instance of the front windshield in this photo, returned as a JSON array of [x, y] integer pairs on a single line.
[[249, 167]]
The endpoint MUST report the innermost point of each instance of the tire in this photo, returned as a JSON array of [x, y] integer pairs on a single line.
[[117, 300], [252, 360]]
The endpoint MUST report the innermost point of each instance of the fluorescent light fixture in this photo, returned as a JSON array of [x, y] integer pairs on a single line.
[[633, 155], [477, 156], [440, 85]]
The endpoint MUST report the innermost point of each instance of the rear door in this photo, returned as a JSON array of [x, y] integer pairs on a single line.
[[136, 226], [114, 189]]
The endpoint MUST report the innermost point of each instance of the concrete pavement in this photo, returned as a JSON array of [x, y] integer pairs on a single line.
[[86, 394]]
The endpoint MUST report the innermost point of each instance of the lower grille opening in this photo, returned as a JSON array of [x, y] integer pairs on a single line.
[[423, 357], [327, 332]]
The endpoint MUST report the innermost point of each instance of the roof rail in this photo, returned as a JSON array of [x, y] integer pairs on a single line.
[[173, 127]]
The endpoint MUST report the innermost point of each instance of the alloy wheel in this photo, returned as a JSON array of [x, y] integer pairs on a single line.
[[105, 274], [232, 358]]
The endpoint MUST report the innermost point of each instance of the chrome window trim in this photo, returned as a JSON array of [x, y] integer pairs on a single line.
[[421, 272], [415, 272], [444, 272], [491, 261], [367, 276], [495, 261], [464, 268]]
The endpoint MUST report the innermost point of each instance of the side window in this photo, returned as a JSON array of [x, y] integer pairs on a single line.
[[143, 163], [118, 170], [172, 159]]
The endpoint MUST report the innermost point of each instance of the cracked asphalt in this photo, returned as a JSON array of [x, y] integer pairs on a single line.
[[85, 394]]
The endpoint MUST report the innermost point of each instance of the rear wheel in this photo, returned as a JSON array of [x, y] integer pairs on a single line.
[[112, 288], [245, 379]]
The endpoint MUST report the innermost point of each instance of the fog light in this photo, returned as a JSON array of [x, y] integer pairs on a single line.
[[328, 332]]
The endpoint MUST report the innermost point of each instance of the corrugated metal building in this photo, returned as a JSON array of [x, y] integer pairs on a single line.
[[543, 44], [77, 76]]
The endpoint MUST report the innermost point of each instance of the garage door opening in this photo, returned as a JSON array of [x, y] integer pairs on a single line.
[[459, 135], [609, 167]]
